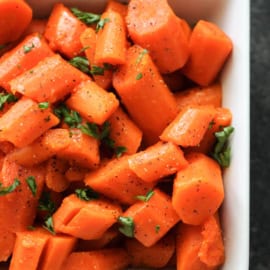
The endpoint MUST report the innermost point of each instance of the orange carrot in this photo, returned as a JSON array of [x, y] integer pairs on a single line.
[[189, 127], [15, 17], [211, 95], [111, 39], [117, 7], [124, 132], [209, 49], [198, 189], [75, 216], [152, 24], [106, 259], [152, 218], [157, 161], [50, 80], [115, 180], [76, 173], [156, 256], [23, 57], [143, 92], [63, 31], [32, 120], [7, 241], [92, 102]]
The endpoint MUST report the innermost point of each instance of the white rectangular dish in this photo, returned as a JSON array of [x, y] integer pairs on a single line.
[[233, 17]]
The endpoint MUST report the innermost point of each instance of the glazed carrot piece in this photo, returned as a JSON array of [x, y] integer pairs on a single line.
[[152, 24], [210, 95], [104, 259], [157, 161], [139, 82], [207, 58], [116, 180], [7, 241], [6, 147], [111, 39], [76, 173], [201, 181], [117, 7], [189, 127], [63, 31], [82, 150], [23, 57], [93, 102], [102, 78], [156, 256], [13, 216], [36, 26], [75, 217], [55, 174], [46, 146], [33, 121], [186, 27], [152, 218], [50, 80], [12, 27], [124, 132]]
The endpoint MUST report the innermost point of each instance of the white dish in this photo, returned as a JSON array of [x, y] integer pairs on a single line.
[[233, 17]]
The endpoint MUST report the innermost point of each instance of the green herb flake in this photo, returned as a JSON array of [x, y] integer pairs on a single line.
[[139, 76], [211, 124], [44, 105], [96, 70], [9, 189], [86, 194], [86, 17], [127, 226], [81, 63], [31, 182], [101, 23], [48, 224], [84, 49], [6, 98], [147, 197], [27, 49], [157, 228], [90, 129], [120, 150], [46, 204], [141, 55]]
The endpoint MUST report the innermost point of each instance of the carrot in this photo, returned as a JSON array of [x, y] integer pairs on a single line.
[[124, 132], [33, 122], [50, 80], [152, 24], [156, 256], [12, 27], [92, 102], [75, 216], [209, 48], [139, 82], [7, 241], [18, 207], [152, 218], [36, 26], [6, 147], [63, 31], [106, 259], [22, 57], [198, 189], [75, 173], [210, 95], [189, 127], [157, 161], [111, 39], [117, 7], [43, 148], [101, 74], [115, 180]]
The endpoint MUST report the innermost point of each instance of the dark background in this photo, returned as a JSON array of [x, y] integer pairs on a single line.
[[260, 135]]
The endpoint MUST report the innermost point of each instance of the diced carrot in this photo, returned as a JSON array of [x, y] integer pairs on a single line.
[[36, 26], [115, 180], [145, 95], [189, 127], [23, 57], [6, 147], [15, 17], [124, 132], [75, 217], [55, 174], [24, 122], [152, 218], [157, 161], [210, 95], [82, 150], [50, 80], [7, 241], [156, 256], [186, 27], [111, 39], [209, 49], [106, 259], [198, 189], [76, 173], [93, 102], [117, 7], [154, 26], [63, 31]]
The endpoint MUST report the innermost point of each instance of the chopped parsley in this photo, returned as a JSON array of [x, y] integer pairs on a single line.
[[146, 197], [27, 49], [86, 17], [44, 105], [127, 226], [120, 150], [6, 98], [9, 189], [81, 63], [141, 55], [48, 224], [139, 76], [86, 194], [31, 182], [101, 23], [97, 70], [157, 228]]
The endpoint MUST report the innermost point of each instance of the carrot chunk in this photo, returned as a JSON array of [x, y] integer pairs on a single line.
[[7, 241], [117, 7]]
